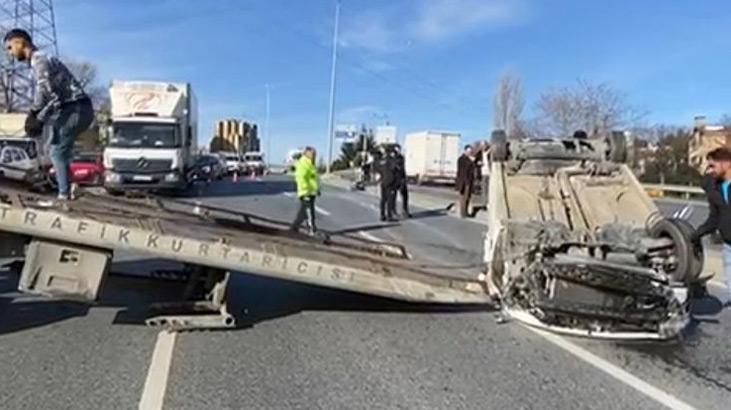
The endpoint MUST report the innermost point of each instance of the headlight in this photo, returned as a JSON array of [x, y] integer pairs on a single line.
[[172, 177], [206, 169], [112, 177]]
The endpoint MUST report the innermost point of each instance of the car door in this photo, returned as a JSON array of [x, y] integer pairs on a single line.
[[6, 158], [14, 168]]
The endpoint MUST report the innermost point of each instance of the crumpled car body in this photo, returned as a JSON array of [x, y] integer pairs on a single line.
[[576, 246]]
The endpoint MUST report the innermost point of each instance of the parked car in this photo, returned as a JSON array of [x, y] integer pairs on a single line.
[[17, 165], [254, 162], [209, 168], [86, 169], [233, 162]]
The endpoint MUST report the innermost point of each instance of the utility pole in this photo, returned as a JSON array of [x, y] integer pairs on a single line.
[[16, 81], [331, 121], [267, 135]]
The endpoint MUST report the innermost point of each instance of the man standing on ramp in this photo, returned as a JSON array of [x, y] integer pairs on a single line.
[[60, 102]]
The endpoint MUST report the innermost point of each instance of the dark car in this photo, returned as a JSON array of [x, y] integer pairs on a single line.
[[208, 168]]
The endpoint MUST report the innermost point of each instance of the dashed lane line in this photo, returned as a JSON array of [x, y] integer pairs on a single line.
[[153, 394], [616, 372]]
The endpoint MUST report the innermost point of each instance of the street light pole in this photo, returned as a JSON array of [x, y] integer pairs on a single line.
[[331, 120], [267, 135]]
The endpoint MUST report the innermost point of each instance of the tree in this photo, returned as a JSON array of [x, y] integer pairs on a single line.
[[508, 104], [667, 161], [87, 75], [594, 108], [349, 151], [726, 120]]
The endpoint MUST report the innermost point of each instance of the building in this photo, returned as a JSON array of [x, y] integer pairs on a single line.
[[705, 139], [233, 135]]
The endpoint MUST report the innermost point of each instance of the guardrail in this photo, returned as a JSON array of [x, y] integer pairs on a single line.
[[674, 191]]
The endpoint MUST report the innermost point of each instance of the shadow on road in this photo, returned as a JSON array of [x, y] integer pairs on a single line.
[[244, 187], [256, 299]]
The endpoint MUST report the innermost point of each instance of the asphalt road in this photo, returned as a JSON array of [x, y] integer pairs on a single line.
[[302, 347]]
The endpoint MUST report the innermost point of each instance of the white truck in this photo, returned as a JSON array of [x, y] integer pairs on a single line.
[[431, 156], [21, 158], [153, 136]]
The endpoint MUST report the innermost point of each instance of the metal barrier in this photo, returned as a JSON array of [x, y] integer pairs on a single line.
[[674, 191]]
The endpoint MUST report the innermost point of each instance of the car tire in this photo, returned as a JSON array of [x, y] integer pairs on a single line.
[[499, 146], [114, 192], [617, 147], [689, 259]]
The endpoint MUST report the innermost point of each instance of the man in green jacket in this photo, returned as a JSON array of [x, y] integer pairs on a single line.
[[308, 188]]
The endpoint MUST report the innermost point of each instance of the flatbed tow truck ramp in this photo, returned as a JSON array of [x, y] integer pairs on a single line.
[[68, 248]]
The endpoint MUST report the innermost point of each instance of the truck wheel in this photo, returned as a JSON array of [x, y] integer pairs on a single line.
[[617, 150], [113, 192], [499, 146], [689, 259], [698, 258]]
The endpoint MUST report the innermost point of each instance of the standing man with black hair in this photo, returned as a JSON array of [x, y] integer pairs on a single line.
[[60, 102], [387, 170], [465, 180], [401, 183], [717, 185]]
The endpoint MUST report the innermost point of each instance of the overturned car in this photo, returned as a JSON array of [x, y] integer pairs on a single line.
[[576, 245]]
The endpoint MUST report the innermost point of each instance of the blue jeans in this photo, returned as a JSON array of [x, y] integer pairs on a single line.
[[727, 267], [71, 121]]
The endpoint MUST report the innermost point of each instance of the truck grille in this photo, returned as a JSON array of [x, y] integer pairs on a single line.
[[142, 165]]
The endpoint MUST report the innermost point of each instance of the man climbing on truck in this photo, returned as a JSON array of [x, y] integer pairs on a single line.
[[60, 102]]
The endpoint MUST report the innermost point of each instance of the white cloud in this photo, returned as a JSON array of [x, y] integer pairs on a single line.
[[392, 29], [443, 19]]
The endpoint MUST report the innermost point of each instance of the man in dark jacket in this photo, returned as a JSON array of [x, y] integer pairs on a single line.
[[465, 180], [387, 170], [401, 184], [716, 184]]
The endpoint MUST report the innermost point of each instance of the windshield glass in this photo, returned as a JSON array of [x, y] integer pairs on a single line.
[[93, 158], [232, 158], [253, 158], [136, 135], [28, 146]]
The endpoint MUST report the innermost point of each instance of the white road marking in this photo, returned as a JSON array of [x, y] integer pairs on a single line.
[[616, 372], [288, 194], [370, 237], [153, 394], [321, 211], [718, 283]]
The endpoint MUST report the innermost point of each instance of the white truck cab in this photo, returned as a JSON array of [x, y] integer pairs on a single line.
[[152, 136]]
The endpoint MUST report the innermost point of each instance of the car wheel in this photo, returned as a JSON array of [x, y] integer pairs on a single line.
[[499, 146], [689, 259]]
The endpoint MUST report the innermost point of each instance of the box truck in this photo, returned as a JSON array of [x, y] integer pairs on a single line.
[[152, 137], [432, 156]]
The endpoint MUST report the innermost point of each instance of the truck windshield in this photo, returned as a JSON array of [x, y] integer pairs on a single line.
[[137, 135], [28, 146], [254, 158]]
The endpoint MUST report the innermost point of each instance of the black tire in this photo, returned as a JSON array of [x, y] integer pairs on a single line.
[[617, 150], [697, 260], [499, 146], [689, 265]]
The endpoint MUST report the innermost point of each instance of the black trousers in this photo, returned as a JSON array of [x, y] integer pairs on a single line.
[[401, 188], [388, 200], [306, 212]]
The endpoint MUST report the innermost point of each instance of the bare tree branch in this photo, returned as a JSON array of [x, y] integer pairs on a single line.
[[594, 108], [508, 104]]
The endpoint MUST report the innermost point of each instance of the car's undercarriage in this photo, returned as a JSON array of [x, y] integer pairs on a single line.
[[576, 246]]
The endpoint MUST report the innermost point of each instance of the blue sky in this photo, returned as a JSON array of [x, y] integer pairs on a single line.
[[418, 63]]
